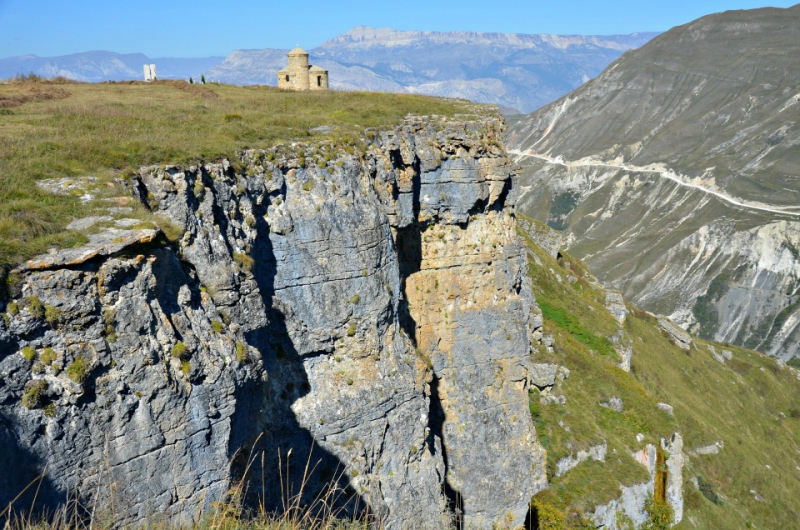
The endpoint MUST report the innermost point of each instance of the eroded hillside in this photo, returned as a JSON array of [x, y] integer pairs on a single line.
[[675, 172]]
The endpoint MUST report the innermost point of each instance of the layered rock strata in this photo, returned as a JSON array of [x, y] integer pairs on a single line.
[[352, 325]]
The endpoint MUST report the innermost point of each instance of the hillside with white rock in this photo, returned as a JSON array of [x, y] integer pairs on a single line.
[[675, 175]]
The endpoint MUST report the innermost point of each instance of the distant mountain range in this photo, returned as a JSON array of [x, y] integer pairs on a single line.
[[97, 66], [519, 72]]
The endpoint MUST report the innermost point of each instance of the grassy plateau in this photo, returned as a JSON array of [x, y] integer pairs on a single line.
[[60, 129]]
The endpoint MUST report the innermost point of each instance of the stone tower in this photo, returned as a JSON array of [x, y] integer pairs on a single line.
[[299, 75]]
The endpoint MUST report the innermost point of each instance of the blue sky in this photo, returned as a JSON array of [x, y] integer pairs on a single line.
[[198, 28]]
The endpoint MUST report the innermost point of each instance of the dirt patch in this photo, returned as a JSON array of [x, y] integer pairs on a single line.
[[19, 94], [194, 89]]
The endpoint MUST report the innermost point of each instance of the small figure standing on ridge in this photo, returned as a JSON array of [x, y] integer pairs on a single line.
[[299, 75]]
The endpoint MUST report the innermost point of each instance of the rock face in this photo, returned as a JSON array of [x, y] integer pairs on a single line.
[[616, 306], [118, 414], [679, 191], [365, 313], [595, 452], [550, 240], [463, 272], [631, 503], [676, 334]]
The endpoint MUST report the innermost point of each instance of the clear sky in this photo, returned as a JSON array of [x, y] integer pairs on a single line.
[[199, 28]]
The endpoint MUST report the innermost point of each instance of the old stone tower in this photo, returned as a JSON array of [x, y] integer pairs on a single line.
[[299, 75]]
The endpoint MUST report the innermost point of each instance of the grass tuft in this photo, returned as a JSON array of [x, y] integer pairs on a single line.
[[35, 307], [241, 353], [33, 397], [244, 261], [179, 350], [28, 353], [79, 370], [48, 356]]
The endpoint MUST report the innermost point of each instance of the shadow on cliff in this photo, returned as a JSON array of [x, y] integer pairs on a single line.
[[25, 490], [409, 254], [277, 459]]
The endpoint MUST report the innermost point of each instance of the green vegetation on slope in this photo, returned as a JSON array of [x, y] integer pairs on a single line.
[[704, 310], [750, 403], [56, 129], [581, 326]]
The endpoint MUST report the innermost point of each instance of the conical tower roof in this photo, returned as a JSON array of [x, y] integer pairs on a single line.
[[298, 51]]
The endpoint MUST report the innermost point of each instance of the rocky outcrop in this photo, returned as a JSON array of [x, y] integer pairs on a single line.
[[668, 471], [676, 334], [357, 323], [543, 375], [116, 382], [595, 452], [712, 449], [463, 271], [551, 241], [616, 305], [100, 245]]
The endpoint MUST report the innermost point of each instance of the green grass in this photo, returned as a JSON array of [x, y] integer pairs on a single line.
[[34, 394], [179, 351], [79, 370], [55, 129], [581, 326], [704, 309], [569, 323], [748, 403], [241, 353]]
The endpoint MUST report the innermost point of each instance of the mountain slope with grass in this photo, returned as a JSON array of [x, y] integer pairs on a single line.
[[735, 410], [675, 175]]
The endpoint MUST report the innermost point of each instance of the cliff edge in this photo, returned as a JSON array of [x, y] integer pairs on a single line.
[[353, 322]]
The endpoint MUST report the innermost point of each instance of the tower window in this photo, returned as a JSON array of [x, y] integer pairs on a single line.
[[287, 78], [319, 80]]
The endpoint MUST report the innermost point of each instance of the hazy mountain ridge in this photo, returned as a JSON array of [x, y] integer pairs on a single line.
[[670, 169], [365, 36], [515, 71], [97, 66]]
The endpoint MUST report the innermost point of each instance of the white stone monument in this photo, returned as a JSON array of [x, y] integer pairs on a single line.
[[149, 72]]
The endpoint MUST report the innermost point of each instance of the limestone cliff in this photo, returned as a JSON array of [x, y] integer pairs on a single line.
[[354, 322]]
